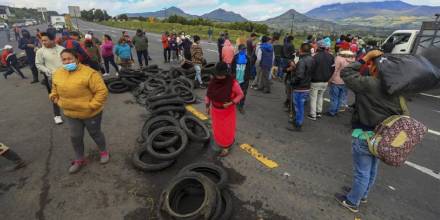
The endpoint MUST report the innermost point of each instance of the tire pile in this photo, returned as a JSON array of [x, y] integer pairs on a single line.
[[199, 191]]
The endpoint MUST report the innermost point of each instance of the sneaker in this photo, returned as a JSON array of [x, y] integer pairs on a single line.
[[76, 166], [18, 165], [105, 157], [58, 120], [202, 86], [345, 203], [319, 115], [311, 117], [106, 74], [347, 189]]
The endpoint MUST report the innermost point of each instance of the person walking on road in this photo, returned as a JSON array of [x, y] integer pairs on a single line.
[[166, 47], [108, 56], [210, 33], [81, 92], [95, 40], [223, 94], [300, 83], [338, 91], [372, 106], [228, 53], [220, 44], [10, 155], [9, 59], [197, 60], [140, 42], [323, 63], [48, 60], [241, 69], [265, 60], [123, 52], [29, 44], [17, 33]]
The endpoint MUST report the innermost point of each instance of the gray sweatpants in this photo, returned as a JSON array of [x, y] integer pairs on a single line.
[[264, 83], [93, 126]]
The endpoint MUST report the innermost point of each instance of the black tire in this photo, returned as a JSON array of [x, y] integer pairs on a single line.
[[148, 128], [167, 156], [182, 81], [117, 87], [191, 134], [209, 65], [215, 173], [181, 91], [129, 83], [203, 210], [228, 205], [166, 102], [165, 109], [159, 145], [153, 165], [161, 97]]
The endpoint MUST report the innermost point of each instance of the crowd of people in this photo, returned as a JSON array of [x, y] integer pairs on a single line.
[[71, 68]]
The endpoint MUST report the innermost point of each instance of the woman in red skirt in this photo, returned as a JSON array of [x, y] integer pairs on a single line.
[[223, 94]]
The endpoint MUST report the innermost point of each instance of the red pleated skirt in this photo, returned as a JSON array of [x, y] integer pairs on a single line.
[[223, 125]]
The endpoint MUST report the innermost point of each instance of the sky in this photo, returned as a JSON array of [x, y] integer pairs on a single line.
[[251, 9]]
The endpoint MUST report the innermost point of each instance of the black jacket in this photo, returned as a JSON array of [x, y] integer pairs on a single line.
[[288, 51], [373, 105], [247, 71], [302, 78], [323, 63]]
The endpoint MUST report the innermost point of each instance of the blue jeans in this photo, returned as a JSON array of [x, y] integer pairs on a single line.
[[281, 65], [299, 99], [364, 171], [337, 96]]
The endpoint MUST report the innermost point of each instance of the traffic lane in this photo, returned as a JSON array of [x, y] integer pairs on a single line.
[[319, 157]]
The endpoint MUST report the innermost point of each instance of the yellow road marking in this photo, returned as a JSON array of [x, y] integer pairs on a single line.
[[196, 113], [260, 157], [357, 218]]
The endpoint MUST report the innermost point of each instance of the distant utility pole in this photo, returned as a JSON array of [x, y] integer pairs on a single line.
[[291, 27]]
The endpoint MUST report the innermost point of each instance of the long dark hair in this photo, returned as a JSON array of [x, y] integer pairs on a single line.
[[108, 37], [70, 51]]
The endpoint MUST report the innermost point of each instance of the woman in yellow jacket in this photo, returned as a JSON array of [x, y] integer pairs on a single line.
[[80, 91]]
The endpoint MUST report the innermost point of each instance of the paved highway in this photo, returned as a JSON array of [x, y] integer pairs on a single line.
[[312, 165]]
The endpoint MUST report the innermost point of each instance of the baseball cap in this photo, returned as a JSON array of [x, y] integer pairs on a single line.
[[8, 47], [88, 37]]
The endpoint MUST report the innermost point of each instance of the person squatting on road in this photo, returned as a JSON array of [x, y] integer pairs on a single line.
[[9, 59], [372, 106], [48, 60], [265, 60], [108, 56], [140, 42], [300, 82], [10, 155], [241, 69], [223, 94], [197, 60], [323, 68], [81, 92], [30, 44]]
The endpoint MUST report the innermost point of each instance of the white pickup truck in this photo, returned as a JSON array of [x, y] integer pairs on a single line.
[[414, 41]]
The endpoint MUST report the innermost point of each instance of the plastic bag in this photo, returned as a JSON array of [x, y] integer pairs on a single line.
[[405, 74]]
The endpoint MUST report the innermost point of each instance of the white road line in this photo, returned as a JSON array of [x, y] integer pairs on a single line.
[[423, 169], [212, 50], [429, 95], [433, 132]]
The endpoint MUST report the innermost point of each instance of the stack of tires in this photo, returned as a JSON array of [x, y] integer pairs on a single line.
[[199, 191], [127, 81], [164, 138]]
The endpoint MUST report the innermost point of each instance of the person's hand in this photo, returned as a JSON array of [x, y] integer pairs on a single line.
[[54, 99], [372, 55], [227, 104]]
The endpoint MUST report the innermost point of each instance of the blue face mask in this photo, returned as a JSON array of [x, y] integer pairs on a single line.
[[70, 67]]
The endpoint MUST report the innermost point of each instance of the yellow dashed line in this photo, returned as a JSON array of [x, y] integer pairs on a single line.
[[196, 113], [260, 157]]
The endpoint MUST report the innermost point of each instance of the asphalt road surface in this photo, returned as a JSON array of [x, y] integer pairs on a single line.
[[313, 165]]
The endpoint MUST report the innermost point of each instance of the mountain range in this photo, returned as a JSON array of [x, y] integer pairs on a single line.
[[394, 14]]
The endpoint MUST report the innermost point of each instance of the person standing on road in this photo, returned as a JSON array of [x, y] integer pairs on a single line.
[[228, 53], [265, 60], [186, 45], [140, 42], [74, 44], [9, 59], [10, 155], [123, 52], [93, 53], [250, 45], [223, 94], [300, 83], [172, 43], [48, 60], [210, 33], [220, 44], [372, 106], [241, 69], [95, 40], [197, 60], [323, 63], [8, 33], [29, 44], [166, 48], [17, 33], [108, 56], [338, 91], [278, 52], [81, 92]]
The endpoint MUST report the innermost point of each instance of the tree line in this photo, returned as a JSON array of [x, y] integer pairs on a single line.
[[95, 15]]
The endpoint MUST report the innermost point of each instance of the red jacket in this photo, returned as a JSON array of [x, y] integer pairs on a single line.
[[5, 54], [165, 41]]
